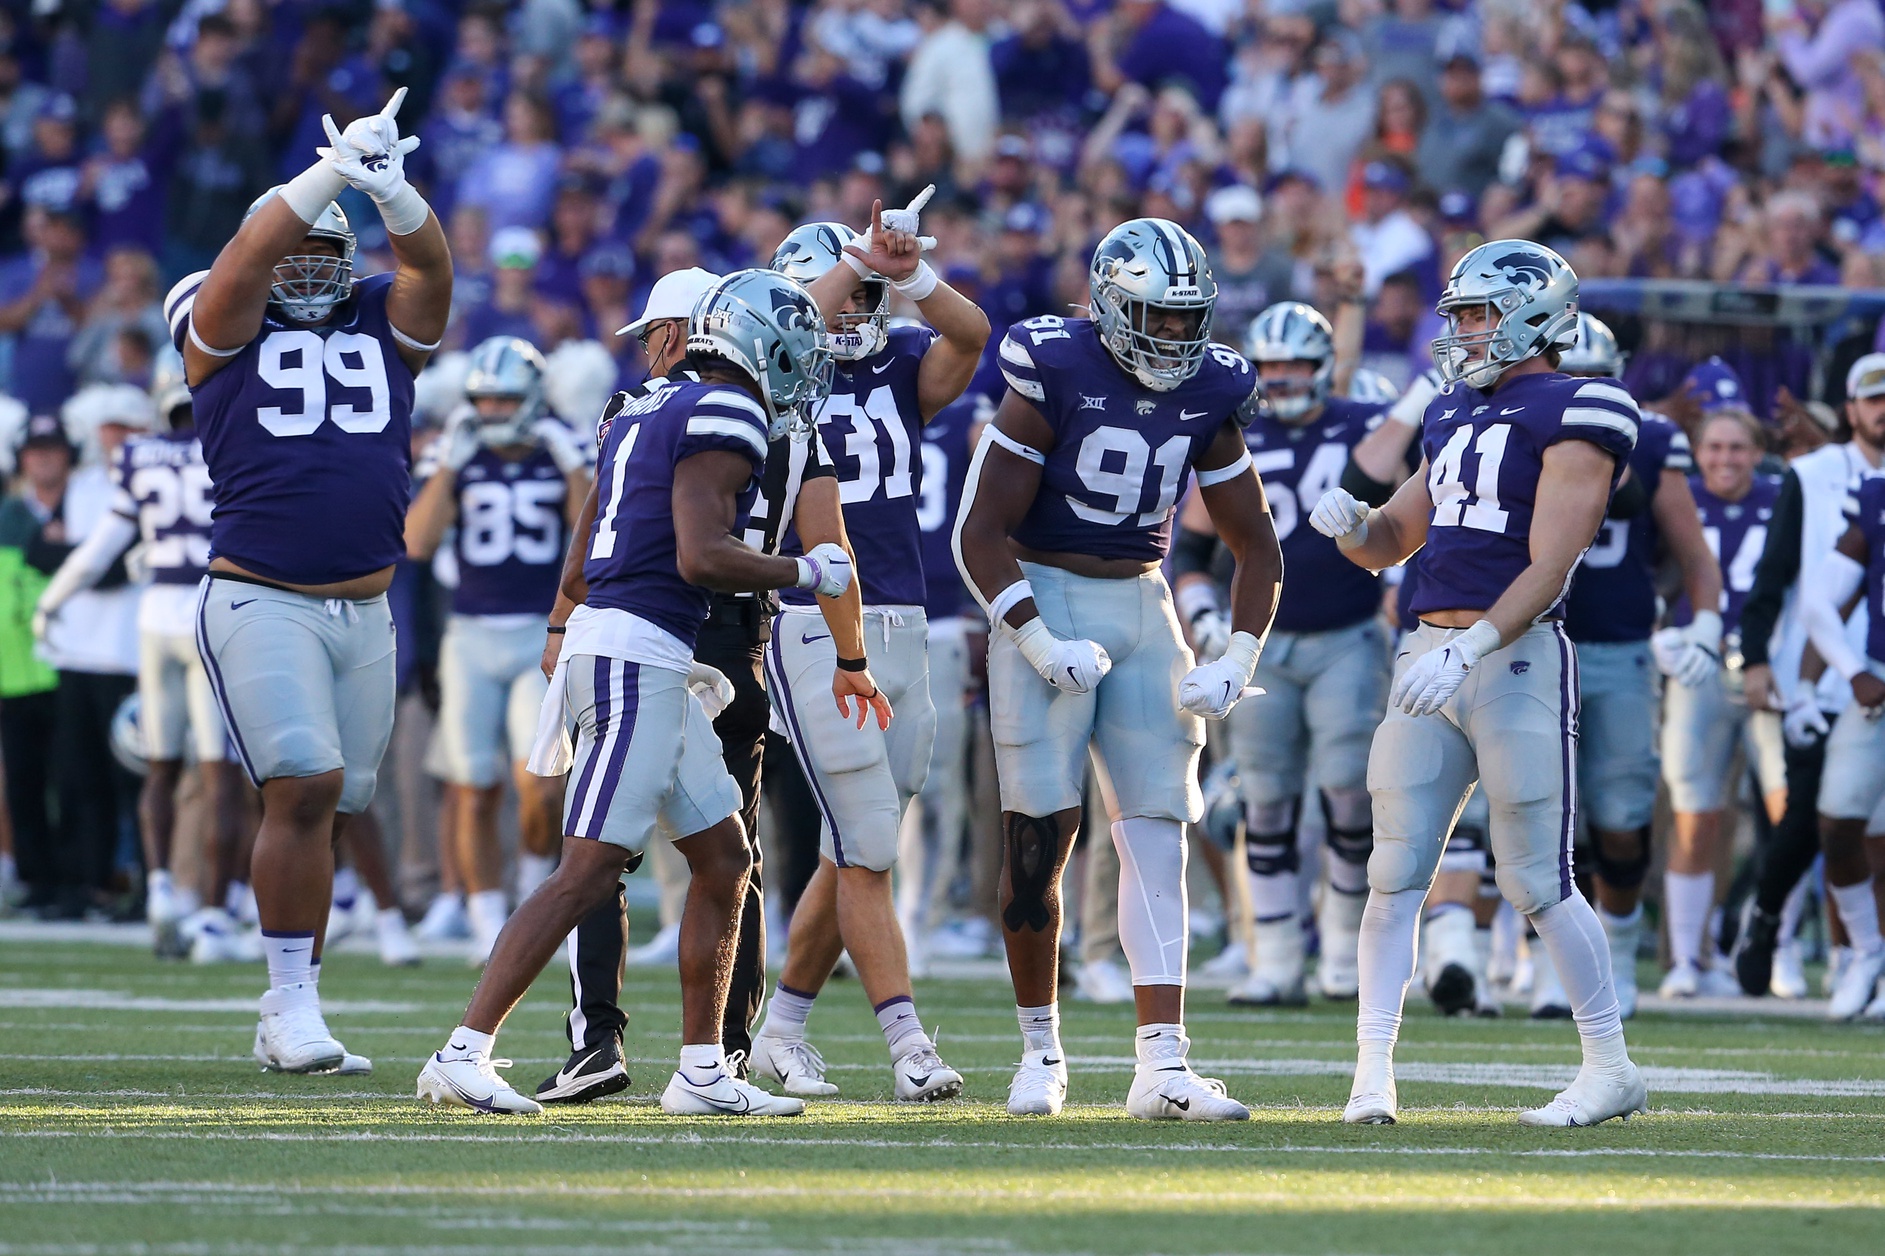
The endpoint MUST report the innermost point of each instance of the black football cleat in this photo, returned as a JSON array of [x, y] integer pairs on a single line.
[[588, 1074]]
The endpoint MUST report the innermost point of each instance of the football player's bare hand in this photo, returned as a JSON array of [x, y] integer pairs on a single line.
[[552, 650], [860, 688], [1869, 692]]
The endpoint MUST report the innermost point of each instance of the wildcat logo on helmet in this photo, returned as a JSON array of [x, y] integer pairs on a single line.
[[1524, 269]]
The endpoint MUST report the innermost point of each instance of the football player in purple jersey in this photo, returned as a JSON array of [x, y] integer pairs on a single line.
[[1609, 615], [679, 471], [302, 380], [1852, 788], [1065, 521], [163, 499], [1705, 714], [513, 478], [888, 383], [1324, 674], [1520, 462]]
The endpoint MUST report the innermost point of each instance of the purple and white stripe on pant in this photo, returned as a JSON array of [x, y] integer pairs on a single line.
[[617, 698], [1568, 709], [782, 691]]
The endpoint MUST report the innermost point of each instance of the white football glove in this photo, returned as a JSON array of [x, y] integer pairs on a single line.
[[826, 570], [566, 449], [1210, 633], [1430, 682], [906, 220], [1210, 690], [1341, 517], [1691, 655], [1069, 666], [710, 685], [369, 154], [1803, 722]]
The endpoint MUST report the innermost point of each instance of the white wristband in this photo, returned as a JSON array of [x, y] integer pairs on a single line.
[[1007, 600], [1034, 640], [1244, 650], [309, 193], [1705, 630], [859, 266], [405, 211], [1479, 640], [919, 286], [1349, 540]]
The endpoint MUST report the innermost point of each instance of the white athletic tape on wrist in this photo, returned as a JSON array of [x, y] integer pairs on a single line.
[[1034, 639], [1357, 537], [405, 211], [1236, 468], [1015, 447], [859, 266], [1244, 650], [1007, 600], [920, 285], [309, 193], [1479, 640], [1705, 630]]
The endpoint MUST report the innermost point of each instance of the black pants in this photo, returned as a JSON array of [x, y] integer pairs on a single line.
[[26, 738], [602, 937], [96, 795], [798, 819], [1796, 839]]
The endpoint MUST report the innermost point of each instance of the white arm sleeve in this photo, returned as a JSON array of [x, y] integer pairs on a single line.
[[84, 566], [1821, 595]]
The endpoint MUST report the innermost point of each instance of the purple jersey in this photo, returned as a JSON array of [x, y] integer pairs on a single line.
[[308, 435], [1865, 510], [873, 430], [511, 534], [630, 564], [1298, 464], [1484, 452], [1737, 534], [164, 488], [945, 451], [1613, 597], [1121, 451]]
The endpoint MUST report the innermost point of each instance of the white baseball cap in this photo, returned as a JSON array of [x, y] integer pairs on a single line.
[[1867, 377], [674, 296]]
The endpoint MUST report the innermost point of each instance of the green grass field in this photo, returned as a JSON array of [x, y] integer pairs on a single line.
[[132, 1120]]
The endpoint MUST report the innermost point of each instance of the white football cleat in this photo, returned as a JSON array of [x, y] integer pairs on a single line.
[[1230, 964], [1592, 1099], [165, 907], [1857, 984], [1039, 1087], [1102, 981], [922, 1077], [1838, 959], [1549, 1001], [1169, 1091], [1276, 979], [444, 920], [352, 1065], [1684, 981], [792, 1062], [1719, 983], [1875, 1010], [1451, 953], [214, 937], [397, 949], [1788, 980], [1338, 923], [1373, 1099], [472, 1082], [661, 951], [722, 1094], [292, 1037]]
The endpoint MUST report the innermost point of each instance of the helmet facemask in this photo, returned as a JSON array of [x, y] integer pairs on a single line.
[[1529, 298], [308, 286], [1161, 363], [1292, 396], [864, 332]]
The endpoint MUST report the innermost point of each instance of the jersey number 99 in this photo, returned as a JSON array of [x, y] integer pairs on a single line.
[[303, 363]]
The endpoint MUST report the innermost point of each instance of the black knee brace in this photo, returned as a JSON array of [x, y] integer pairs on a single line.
[[1621, 873], [1033, 853], [1272, 854]]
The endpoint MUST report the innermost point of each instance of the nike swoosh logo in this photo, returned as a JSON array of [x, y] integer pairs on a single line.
[[879, 370], [236, 606], [920, 1082], [1050, 1063], [808, 638], [1513, 410], [1183, 1105], [744, 1104], [1185, 416], [1073, 676], [570, 1073]]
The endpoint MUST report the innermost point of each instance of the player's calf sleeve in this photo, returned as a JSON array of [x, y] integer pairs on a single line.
[[1621, 860], [1032, 866], [1389, 949], [1153, 928], [1272, 861], [1349, 816], [1579, 951]]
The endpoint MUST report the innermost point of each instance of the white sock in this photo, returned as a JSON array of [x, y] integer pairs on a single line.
[[488, 912], [903, 1032], [786, 1012], [1040, 1028], [240, 902], [703, 1058], [1622, 932], [157, 880], [1153, 921], [467, 1042], [290, 957], [1687, 896], [1579, 952], [1164, 1041], [391, 920], [532, 871], [1389, 947], [346, 887], [1858, 911]]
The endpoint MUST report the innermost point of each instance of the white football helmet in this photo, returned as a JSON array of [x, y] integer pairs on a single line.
[[1596, 353], [308, 286], [1530, 294], [506, 366], [767, 325], [808, 253], [1148, 265], [1290, 331]]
